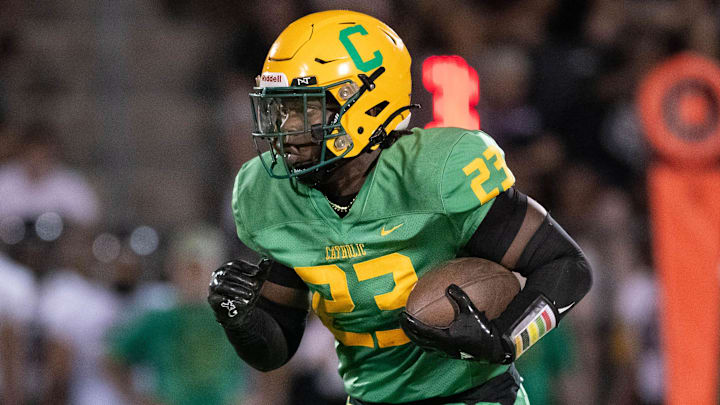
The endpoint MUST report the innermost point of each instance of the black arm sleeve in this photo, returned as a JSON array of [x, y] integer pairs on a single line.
[[271, 336], [498, 229], [552, 262], [286, 277]]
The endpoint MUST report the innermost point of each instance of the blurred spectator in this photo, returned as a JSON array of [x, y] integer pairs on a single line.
[[8, 49], [139, 287], [17, 305], [75, 311], [180, 353], [547, 366], [637, 340], [9, 141], [314, 368], [36, 181], [33, 244], [505, 75]]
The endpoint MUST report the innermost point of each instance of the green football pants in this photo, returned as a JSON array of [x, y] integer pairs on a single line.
[[521, 399]]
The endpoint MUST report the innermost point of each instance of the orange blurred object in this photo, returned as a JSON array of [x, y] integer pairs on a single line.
[[679, 104]]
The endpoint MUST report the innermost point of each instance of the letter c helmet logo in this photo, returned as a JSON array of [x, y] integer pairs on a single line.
[[364, 65]]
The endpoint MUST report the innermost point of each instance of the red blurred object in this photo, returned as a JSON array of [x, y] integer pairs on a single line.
[[455, 88]]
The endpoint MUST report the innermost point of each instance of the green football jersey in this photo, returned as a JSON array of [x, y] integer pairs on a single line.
[[418, 207]]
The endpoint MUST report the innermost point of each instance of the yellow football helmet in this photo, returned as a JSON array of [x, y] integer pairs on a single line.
[[358, 61]]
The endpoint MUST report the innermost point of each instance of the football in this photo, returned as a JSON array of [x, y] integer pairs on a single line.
[[489, 285]]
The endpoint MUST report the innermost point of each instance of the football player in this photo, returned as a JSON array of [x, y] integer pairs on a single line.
[[346, 203]]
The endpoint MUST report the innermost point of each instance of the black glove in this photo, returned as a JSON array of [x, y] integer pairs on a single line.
[[234, 289], [470, 335]]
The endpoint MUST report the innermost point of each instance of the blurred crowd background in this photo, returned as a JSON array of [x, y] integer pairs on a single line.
[[123, 123]]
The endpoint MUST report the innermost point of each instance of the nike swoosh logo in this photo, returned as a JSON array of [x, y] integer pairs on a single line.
[[563, 309], [383, 232]]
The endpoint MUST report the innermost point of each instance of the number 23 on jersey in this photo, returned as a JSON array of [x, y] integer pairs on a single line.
[[491, 159], [341, 301]]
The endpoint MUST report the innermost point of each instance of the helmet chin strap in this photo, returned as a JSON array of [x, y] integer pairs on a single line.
[[381, 137], [315, 177], [404, 123]]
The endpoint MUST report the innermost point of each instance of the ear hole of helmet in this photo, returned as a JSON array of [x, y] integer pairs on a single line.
[[377, 109]]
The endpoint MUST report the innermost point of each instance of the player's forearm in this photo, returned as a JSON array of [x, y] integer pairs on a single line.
[[558, 277], [519, 233], [564, 282], [270, 337], [555, 266], [260, 342]]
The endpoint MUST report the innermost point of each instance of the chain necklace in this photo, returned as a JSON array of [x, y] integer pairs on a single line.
[[340, 208]]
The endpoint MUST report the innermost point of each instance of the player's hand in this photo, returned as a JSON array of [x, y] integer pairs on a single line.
[[469, 336], [234, 290]]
